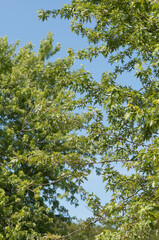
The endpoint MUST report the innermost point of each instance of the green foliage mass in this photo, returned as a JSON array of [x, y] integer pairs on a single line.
[[42, 158], [83, 230], [126, 34]]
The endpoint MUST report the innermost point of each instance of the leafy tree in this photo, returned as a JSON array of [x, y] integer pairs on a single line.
[[42, 158], [126, 33], [83, 230]]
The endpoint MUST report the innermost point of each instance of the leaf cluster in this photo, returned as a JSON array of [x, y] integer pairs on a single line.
[[125, 131]]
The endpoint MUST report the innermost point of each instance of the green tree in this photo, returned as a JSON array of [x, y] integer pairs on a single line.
[[126, 33], [83, 230], [42, 158]]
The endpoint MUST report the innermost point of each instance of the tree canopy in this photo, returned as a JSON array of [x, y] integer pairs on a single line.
[[126, 33], [56, 123], [42, 158]]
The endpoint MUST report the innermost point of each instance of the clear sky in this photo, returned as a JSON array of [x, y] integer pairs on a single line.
[[19, 21]]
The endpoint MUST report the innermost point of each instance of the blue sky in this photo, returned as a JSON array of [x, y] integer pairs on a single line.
[[19, 21]]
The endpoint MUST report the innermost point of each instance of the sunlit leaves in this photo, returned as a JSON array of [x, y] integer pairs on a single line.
[[40, 150], [126, 33]]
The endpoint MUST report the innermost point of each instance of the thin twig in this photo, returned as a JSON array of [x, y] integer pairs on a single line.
[[77, 230], [139, 144]]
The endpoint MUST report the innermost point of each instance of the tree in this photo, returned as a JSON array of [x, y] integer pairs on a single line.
[[83, 230], [42, 158], [126, 33]]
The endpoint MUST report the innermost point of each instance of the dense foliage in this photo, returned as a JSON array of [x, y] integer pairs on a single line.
[[126, 33], [42, 159]]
